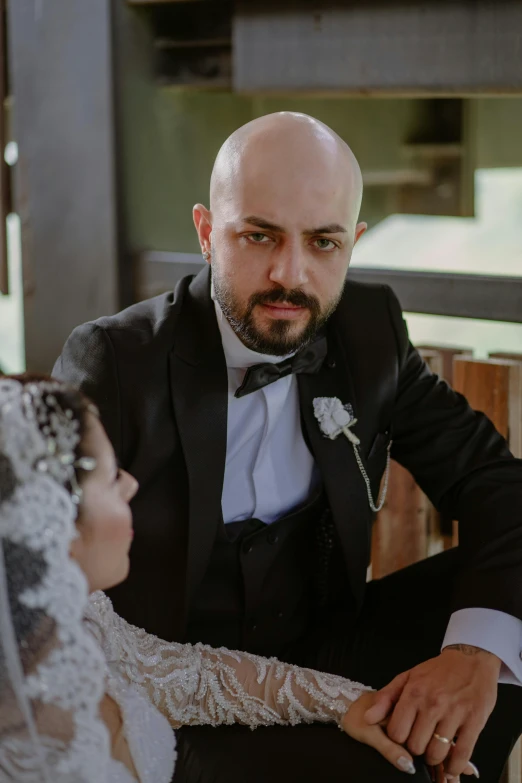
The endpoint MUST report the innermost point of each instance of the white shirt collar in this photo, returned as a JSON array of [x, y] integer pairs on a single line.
[[237, 355]]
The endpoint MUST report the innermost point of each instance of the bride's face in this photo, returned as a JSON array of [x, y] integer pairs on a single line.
[[104, 521]]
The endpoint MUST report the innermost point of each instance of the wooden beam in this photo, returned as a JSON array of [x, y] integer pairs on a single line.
[[492, 297], [513, 357], [460, 47], [62, 82]]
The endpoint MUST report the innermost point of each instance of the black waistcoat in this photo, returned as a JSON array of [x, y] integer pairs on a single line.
[[264, 582]]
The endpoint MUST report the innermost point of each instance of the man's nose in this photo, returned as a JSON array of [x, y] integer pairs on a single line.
[[289, 267]]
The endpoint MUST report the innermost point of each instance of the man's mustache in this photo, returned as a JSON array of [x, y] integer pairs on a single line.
[[289, 296]]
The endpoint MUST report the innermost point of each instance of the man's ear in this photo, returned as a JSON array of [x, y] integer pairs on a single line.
[[360, 228], [203, 222]]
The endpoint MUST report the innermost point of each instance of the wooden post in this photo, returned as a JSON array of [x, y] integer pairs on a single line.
[[444, 363], [494, 386], [515, 425], [61, 73]]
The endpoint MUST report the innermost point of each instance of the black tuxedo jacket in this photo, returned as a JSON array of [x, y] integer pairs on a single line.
[[157, 373]]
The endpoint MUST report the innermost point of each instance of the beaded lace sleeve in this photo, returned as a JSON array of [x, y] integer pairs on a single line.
[[196, 684]]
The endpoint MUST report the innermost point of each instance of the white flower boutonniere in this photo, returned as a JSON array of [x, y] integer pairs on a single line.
[[335, 419]]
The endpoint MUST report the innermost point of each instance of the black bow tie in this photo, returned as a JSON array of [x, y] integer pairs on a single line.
[[308, 360]]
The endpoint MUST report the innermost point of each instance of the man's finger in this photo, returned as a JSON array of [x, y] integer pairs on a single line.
[[446, 729], [385, 699], [464, 745], [422, 733], [402, 720]]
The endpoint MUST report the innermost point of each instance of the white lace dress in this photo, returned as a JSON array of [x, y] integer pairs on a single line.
[[159, 686]]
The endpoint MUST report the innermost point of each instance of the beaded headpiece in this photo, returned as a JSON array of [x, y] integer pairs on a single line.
[[60, 431]]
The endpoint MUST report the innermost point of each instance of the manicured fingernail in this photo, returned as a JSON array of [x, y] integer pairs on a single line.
[[406, 765], [474, 769]]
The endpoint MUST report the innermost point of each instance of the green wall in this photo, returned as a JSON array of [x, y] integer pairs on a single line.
[[169, 139]]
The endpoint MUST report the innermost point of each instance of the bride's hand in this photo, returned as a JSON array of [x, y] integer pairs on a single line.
[[355, 725]]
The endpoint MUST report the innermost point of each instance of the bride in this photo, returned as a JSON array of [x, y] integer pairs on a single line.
[[84, 696]]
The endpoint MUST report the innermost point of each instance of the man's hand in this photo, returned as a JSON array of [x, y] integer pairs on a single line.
[[452, 695]]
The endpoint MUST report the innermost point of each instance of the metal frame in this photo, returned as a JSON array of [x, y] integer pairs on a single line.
[[488, 297]]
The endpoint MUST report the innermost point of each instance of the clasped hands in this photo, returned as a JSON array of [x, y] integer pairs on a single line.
[[451, 696]]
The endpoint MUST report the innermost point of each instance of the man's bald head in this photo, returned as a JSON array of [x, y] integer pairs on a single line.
[[285, 195], [285, 146]]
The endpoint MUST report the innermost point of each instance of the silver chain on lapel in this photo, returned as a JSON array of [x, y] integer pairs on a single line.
[[380, 503]]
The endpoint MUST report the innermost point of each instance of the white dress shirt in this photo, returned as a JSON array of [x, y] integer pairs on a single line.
[[269, 470]]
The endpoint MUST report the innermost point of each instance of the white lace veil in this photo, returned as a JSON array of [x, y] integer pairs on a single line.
[[51, 670]]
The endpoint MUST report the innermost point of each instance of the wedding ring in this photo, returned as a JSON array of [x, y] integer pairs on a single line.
[[445, 740]]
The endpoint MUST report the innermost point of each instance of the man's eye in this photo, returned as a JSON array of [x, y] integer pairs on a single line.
[[325, 244], [258, 238]]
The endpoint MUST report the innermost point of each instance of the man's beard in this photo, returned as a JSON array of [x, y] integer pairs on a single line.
[[278, 339]]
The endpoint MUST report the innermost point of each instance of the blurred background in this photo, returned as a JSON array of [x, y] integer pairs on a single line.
[[113, 111]]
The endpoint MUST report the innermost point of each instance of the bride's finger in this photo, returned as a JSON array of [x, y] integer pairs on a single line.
[[394, 753], [469, 770]]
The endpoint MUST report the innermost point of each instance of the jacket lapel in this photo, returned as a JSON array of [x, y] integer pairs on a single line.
[[199, 385], [344, 485]]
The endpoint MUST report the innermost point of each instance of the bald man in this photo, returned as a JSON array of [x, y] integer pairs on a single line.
[[253, 527]]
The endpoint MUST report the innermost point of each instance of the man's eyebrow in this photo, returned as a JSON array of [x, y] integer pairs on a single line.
[[262, 223], [331, 228]]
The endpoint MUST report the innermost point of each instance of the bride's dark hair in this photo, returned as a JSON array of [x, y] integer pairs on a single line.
[[25, 568]]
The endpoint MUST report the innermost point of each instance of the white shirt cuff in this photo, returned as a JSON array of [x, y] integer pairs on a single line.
[[497, 632]]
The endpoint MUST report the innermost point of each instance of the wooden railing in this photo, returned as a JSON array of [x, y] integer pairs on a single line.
[[494, 386]]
